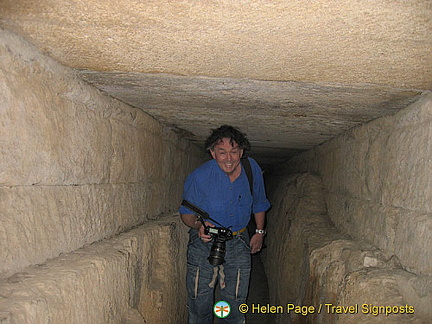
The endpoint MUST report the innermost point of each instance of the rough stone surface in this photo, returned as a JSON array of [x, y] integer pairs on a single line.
[[76, 165], [280, 118], [130, 279], [319, 266], [291, 74], [322, 41], [378, 183]]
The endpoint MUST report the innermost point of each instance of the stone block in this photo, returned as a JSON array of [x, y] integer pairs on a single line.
[[378, 183], [76, 165], [344, 280], [134, 275]]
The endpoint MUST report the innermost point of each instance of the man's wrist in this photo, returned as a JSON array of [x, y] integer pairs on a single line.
[[196, 225], [262, 232]]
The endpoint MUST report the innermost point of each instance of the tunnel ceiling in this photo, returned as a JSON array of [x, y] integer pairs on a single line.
[[291, 74]]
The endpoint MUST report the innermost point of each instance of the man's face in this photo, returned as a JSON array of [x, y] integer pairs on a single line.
[[227, 155]]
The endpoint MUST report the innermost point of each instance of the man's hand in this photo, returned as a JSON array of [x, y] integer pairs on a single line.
[[256, 243], [204, 238]]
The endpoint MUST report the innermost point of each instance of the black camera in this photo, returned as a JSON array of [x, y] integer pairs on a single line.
[[219, 235]]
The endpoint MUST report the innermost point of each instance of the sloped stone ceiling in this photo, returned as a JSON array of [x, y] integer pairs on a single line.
[[291, 74]]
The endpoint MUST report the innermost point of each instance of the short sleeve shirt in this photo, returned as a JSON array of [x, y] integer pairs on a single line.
[[229, 203]]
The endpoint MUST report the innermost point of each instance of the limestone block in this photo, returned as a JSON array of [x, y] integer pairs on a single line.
[[40, 222], [320, 267], [417, 113], [375, 169], [413, 241], [377, 298], [409, 184], [346, 267], [76, 165], [378, 183], [47, 136], [343, 170], [136, 274], [405, 233], [125, 160]]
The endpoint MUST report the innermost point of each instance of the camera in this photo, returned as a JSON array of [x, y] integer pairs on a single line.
[[219, 235]]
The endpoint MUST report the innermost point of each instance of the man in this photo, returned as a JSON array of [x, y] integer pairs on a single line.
[[221, 188]]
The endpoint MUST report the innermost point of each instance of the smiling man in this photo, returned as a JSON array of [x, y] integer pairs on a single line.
[[221, 188]]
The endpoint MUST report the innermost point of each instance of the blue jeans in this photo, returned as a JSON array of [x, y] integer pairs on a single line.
[[233, 277]]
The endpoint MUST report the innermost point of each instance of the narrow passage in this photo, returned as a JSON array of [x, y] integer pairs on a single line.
[[258, 293]]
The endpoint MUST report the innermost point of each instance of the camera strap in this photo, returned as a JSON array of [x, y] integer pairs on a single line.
[[248, 170], [201, 213]]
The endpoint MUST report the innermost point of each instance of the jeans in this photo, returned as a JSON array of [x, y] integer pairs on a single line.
[[233, 277]]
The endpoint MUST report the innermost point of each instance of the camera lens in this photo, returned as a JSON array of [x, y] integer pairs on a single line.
[[217, 252]]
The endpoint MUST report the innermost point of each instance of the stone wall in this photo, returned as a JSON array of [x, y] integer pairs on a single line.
[[320, 267], [78, 167], [133, 278], [377, 184]]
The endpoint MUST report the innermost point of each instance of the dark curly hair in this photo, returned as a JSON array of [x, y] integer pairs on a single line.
[[226, 131]]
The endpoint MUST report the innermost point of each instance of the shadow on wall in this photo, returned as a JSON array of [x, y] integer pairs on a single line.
[[334, 278]]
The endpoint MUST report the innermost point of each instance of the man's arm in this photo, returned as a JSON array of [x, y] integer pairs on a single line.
[[257, 240], [191, 221]]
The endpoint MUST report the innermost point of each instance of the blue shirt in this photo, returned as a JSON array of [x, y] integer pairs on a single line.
[[230, 204]]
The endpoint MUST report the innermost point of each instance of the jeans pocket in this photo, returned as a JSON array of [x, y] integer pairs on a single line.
[[245, 240]]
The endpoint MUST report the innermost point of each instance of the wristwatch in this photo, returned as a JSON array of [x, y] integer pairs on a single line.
[[261, 231]]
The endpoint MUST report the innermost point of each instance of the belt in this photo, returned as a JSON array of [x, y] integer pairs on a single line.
[[240, 231]]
